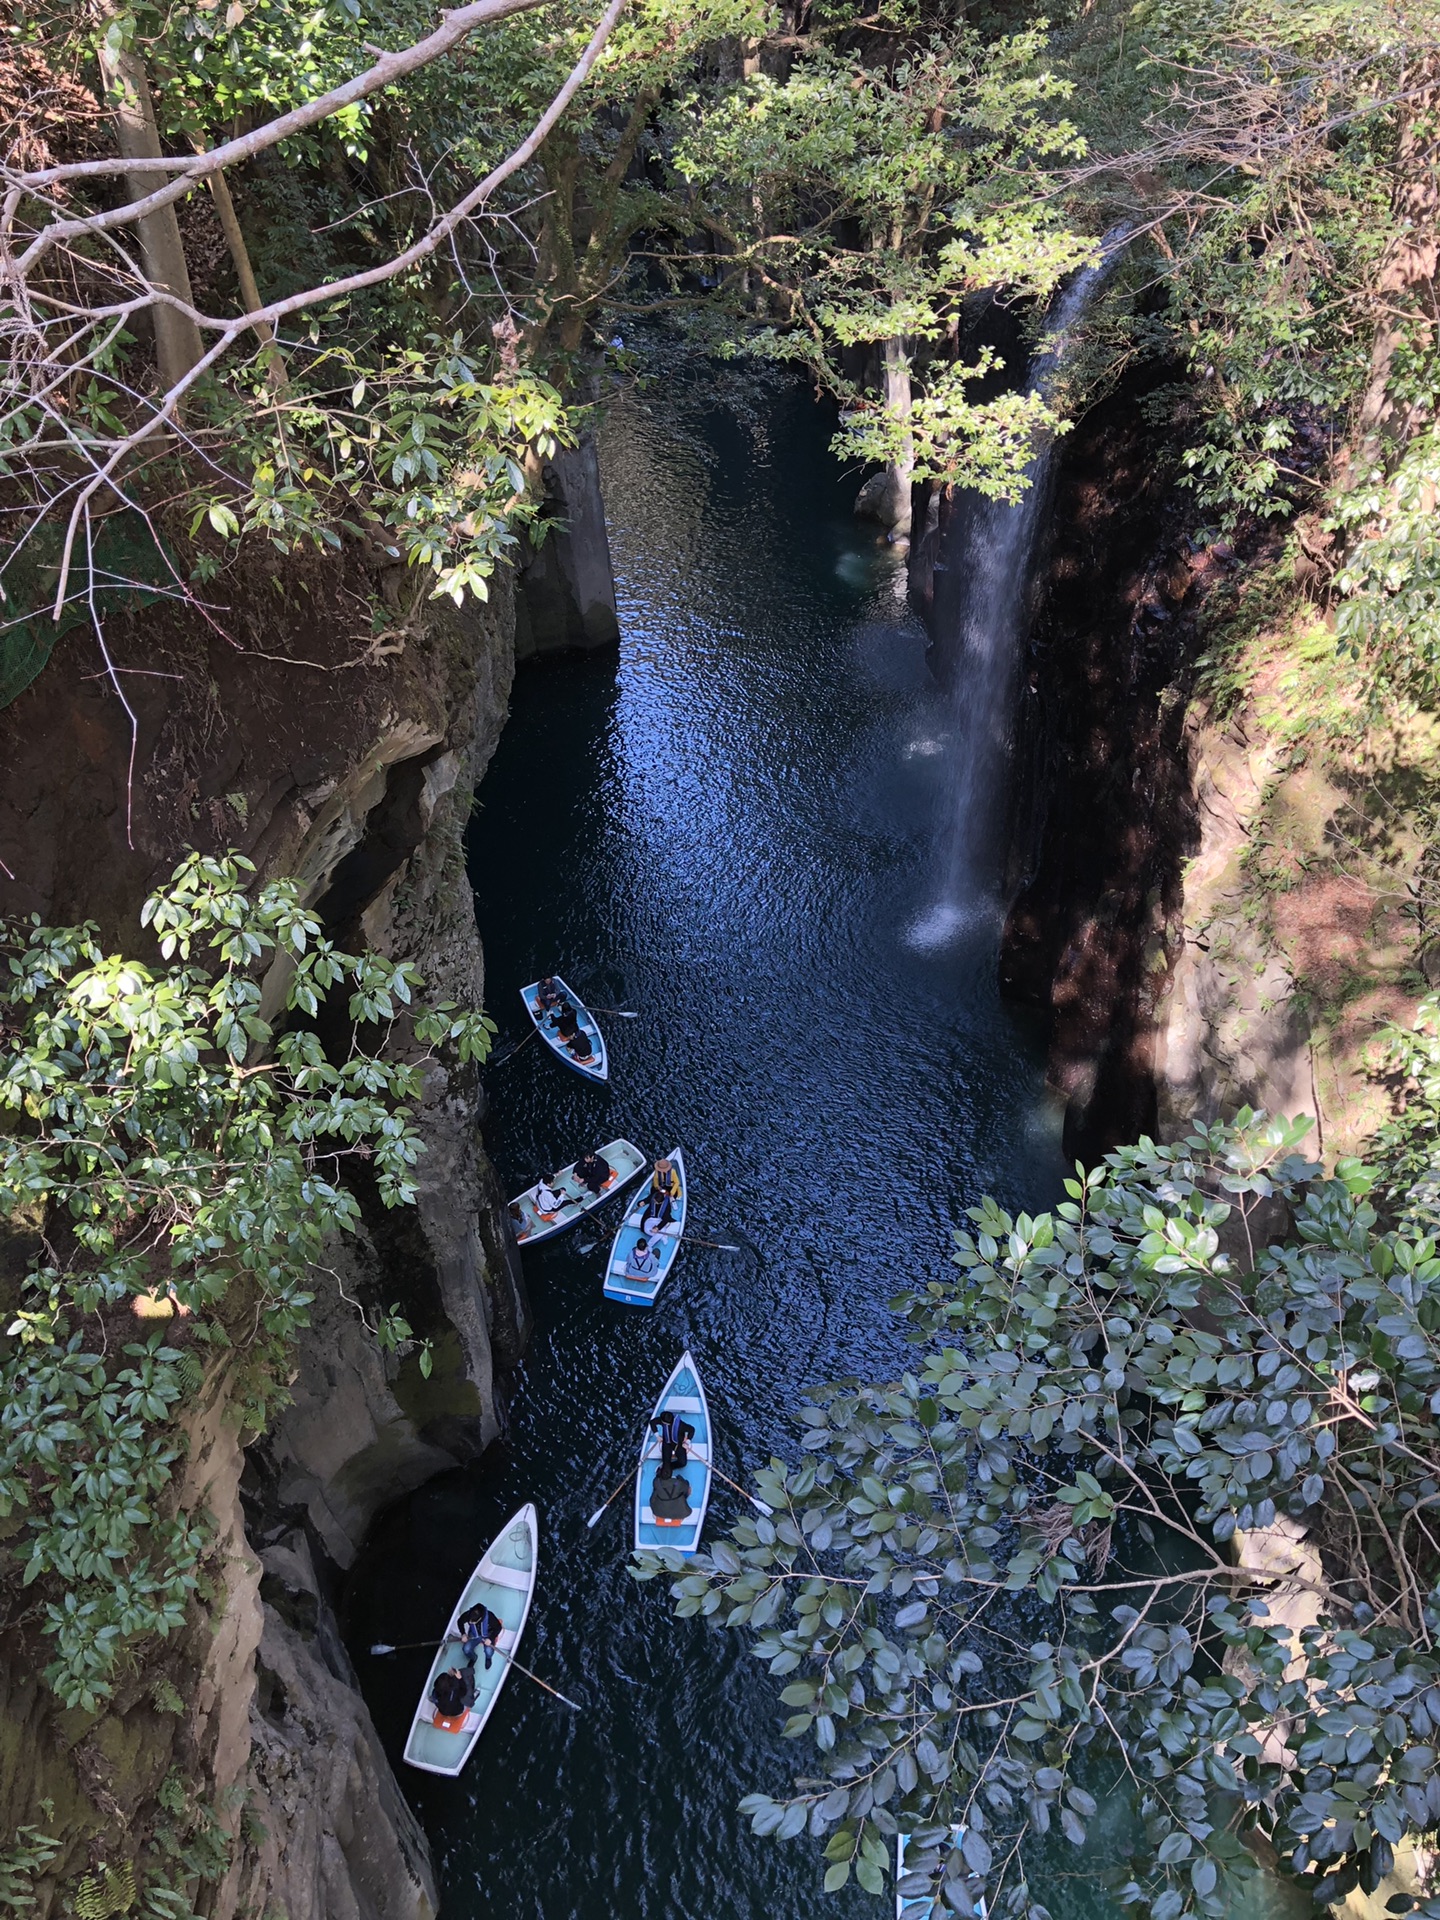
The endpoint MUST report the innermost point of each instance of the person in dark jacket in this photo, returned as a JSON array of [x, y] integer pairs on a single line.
[[670, 1499], [453, 1692], [674, 1432], [567, 1021], [479, 1629], [578, 1045], [593, 1171]]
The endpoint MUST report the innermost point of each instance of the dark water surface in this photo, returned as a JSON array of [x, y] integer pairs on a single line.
[[736, 831]]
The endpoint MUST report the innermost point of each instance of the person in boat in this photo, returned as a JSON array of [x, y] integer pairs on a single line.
[[662, 1196], [594, 1171], [549, 1194], [579, 1045], [453, 1693], [548, 995], [642, 1262], [567, 1021], [480, 1631], [670, 1498], [675, 1431]]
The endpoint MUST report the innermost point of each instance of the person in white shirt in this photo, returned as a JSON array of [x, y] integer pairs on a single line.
[[548, 1195]]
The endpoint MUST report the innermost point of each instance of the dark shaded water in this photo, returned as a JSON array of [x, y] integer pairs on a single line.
[[737, 832]]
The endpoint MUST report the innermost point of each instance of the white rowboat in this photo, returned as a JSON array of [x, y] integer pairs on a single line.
[[625, 1160], [641, 1290], [917, 1906], [504, 1581], [597, 1065], [686, 1395]]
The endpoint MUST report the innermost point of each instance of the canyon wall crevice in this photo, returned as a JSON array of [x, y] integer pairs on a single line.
[[1102, 815]]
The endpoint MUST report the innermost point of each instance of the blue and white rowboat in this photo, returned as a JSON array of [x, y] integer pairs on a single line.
[[684, 1393], [623, 1158], [638, 1290], [504, 1581], [597, 1067]]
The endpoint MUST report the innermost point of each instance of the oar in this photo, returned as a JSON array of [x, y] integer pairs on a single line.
[[407, 1646], [759, 1505], [503, 1059], [720, 1246], [618, 1491], [618, 1013], [574, 1705]]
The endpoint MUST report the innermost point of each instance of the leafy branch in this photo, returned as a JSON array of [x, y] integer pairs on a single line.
[[1105, 1397], [166, 1151]]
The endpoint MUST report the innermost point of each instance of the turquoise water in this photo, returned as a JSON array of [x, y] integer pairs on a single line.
[[737, 830]]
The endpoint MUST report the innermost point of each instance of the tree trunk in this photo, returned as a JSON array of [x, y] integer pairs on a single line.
[[162, 253], [900, 473], [250, 300], [1406, 284]]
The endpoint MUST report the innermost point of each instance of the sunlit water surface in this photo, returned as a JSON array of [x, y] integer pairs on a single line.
[[735, 830]]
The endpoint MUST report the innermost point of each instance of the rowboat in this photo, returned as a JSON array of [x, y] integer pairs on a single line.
[[504, 1582], [625, 1161], [597, 1067], [684, 1393], [641, 1290], [919, 1906]]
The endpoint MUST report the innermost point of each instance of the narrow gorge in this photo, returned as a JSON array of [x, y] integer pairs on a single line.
[[894, 554]]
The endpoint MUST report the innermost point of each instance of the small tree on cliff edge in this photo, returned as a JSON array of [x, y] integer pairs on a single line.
[[1003, 1588], [163, 1152]]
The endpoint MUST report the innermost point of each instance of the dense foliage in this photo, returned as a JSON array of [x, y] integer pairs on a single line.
[[165, 1146], [867, 200], [856, 191], [1003, 1586]]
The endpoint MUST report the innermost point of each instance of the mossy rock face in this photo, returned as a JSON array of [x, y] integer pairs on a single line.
[[87, 1783], [448, 1393]]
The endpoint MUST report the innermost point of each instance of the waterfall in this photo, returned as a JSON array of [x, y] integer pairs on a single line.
[[981, 608]]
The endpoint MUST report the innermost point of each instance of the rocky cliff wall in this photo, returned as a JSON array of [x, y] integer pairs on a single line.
[[566, 597], [1295, 939], [1102, 815], [275, 728], [1211, 843]]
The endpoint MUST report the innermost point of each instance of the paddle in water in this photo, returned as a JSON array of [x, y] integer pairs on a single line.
[[754, 1499], [614, 1496], [407, 1646], [507, 1054]]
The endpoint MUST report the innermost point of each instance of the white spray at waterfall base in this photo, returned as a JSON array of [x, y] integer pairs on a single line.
[[982, 606]]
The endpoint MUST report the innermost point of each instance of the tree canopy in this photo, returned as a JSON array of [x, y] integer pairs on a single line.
[[1003, 1587]]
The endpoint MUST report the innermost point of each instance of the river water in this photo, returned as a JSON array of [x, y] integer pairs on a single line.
[[737, 830]]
